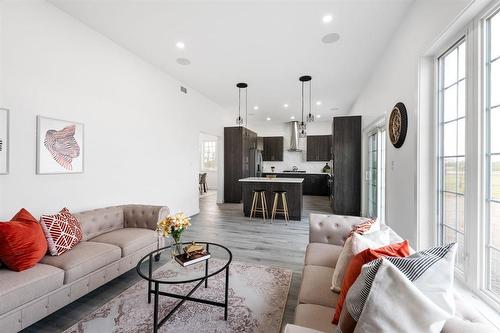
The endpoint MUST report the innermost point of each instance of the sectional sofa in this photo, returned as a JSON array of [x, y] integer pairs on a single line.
[[317, 302], [114, 240]]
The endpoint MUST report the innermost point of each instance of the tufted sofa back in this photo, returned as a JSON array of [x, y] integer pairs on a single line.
[[142, 216], [331, 229], [99, 221]]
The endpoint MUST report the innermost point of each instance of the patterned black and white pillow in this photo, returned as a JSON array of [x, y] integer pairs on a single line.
[[429, 273]]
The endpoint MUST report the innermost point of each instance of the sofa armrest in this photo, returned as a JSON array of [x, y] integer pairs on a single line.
[[331, 229], [143, 216]]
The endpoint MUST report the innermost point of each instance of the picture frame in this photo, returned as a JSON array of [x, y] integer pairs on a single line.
[[4, 141], [60, 146]]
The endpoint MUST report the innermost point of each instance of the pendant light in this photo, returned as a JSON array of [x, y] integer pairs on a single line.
[[302, 125], [310, 116], [241, 85]]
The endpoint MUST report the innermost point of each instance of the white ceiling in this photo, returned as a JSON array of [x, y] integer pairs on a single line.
[[267, 44]]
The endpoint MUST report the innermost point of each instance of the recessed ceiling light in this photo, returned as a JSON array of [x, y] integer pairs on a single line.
[[183, 61], [330, 38], [292, 117], [327, 18], [180, 45], [256, 107], [318, 103], [318, 116], [285, 105], [268, 118]]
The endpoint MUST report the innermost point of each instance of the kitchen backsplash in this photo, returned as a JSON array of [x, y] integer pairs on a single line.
[[297, 159]]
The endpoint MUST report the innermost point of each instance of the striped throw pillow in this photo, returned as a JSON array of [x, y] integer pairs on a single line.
[[430, 271]]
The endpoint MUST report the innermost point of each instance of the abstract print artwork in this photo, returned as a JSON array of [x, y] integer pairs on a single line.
[[60, 146], [4, 141]]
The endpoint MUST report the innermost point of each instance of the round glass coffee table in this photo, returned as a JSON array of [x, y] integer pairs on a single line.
[[174, 273]]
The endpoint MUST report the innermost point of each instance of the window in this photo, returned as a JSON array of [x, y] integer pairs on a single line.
[[376, 173], [492, 163], [451, 164], [208, 155]]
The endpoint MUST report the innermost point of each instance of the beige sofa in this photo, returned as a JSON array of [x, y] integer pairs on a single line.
[[315, 310], [115, 239]]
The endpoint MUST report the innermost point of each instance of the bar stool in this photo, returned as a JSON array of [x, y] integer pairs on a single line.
[[283, 210], [259, 195]]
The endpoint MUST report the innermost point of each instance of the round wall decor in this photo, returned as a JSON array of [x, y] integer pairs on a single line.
[[398, 124]]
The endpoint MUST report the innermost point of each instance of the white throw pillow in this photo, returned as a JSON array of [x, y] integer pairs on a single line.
[[407, 310], [353, 245]]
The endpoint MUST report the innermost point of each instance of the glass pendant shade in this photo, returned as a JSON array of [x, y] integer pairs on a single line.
[[302, 130], [310, 118], [239, 119]]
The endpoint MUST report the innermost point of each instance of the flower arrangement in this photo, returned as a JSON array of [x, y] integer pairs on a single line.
[[174, 226]]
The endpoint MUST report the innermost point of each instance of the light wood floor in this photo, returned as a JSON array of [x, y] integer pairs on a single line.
[[274, 244]]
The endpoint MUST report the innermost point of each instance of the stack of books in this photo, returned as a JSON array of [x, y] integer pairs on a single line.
[[193, 253]]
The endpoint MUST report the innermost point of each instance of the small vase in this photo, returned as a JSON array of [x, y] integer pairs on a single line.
[[176, 246]]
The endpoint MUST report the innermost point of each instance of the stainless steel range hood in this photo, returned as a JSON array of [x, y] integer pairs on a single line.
[[294, 139]]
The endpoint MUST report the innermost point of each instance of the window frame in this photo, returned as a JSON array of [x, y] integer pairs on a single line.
[[380, 131], [462, 38], [203, 149]]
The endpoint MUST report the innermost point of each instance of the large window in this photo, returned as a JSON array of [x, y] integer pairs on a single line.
[[492, 104], [376, 173], [452, 117], [208, 155]]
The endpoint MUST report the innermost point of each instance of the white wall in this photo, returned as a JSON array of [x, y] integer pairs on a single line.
[[395, 79], [291, 159], [141, 133], [211, 174]]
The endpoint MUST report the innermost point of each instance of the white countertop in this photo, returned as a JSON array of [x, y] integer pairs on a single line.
[[271, 180], [295, 173]]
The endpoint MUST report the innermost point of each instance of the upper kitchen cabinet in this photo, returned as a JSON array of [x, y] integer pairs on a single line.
[[319, 148], [273, 148]]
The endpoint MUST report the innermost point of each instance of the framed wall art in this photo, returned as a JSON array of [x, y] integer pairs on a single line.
[[60, 146], [4, 141]]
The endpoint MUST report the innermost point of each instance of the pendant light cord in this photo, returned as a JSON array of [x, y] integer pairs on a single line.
[[310, 98], [239, 104], [246, 107]]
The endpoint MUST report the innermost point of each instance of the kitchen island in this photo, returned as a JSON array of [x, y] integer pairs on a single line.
[[292, 186]]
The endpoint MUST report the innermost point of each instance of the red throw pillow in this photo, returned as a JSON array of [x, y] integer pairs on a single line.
[[62, 231], [354, 269], [22, 242]]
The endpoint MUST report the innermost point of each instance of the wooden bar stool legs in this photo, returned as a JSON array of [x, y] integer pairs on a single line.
[[259, 195], [284, 209]]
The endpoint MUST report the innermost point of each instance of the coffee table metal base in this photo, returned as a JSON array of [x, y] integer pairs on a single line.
[[156, 293]]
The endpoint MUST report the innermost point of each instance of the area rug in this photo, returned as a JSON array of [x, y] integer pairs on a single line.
[[257, 298]]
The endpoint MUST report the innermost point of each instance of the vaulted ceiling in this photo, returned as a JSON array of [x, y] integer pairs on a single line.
[[267, 44]]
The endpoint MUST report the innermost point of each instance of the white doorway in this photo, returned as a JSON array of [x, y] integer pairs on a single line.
[[208, 171]]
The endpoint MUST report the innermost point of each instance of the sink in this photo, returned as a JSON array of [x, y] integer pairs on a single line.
[[298, 171]]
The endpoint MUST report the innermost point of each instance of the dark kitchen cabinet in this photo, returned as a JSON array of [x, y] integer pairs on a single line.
[[346, 190], [319, 148], [238, 144], [273, 148]]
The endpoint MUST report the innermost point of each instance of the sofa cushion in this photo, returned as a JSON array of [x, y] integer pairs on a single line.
[[99, 221], [18, 288], [315, 287], [314, 316], [130, 240], [84, 258], [320, 254]]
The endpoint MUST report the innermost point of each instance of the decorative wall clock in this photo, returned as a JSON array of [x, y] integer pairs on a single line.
[[398, 124]]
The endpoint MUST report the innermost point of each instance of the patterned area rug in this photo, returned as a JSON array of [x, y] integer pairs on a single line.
[[257, 298]]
